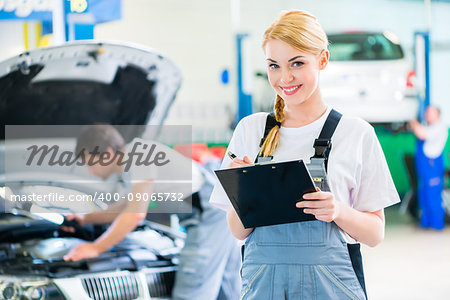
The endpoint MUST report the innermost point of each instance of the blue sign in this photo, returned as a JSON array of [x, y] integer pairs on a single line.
[[91, 11], [26, 10]]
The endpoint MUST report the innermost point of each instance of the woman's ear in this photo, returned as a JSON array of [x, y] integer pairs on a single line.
[[323, 59]]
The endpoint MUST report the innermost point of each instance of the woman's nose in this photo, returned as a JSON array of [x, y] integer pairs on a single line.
[[286, 76]]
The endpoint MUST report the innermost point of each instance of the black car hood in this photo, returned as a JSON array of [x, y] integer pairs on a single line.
[[36, 247], [83, 83], [131, 260]]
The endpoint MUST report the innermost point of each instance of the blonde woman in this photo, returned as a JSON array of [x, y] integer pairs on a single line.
[[317, 259]]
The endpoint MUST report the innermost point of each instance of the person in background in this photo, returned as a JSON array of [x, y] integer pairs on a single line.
[[430, 167], [210, 258]]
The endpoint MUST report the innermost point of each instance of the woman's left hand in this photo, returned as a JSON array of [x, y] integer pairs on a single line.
[[322, 205]]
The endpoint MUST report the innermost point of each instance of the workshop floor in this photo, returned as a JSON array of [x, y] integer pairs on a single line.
[[411, 263]]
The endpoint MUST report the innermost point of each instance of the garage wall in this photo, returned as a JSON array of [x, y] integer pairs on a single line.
[[11, 39], [197, 34], [401, 17]]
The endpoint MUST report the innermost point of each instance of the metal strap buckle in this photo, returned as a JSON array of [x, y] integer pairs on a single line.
[[320, 146]]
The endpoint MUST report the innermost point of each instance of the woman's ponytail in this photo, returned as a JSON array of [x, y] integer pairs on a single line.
[[273, 138]]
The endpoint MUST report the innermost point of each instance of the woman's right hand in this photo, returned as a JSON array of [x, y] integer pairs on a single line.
[[237, 162]]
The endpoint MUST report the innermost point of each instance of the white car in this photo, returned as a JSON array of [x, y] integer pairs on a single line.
[[370, 76]]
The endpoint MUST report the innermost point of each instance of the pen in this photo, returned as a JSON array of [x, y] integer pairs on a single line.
[[231, 155]]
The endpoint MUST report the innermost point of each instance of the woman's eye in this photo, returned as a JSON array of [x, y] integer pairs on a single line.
[[273, 66], [297, 64]]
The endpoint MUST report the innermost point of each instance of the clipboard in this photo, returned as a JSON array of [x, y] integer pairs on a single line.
[[266, 194]]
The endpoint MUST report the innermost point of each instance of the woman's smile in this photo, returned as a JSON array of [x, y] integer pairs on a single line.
[[290, 90]]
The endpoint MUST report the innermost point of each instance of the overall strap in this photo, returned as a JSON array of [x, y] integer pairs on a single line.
[[322, 145], [271, 122]]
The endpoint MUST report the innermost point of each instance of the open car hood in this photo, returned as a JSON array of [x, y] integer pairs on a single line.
[[82, 83], [36, 247]]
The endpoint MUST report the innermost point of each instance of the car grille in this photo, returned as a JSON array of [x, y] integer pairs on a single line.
[[160, 285], [119, 287]]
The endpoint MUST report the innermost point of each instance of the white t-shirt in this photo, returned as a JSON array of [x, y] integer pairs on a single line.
[[179, 175], [436, 137], [358, 174]]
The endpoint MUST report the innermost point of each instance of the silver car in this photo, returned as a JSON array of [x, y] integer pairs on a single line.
[[80, 83]]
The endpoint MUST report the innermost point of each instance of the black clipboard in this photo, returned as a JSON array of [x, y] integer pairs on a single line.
[[266, 194]]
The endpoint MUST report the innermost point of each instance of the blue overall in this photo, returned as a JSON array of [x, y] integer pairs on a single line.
[[430, 173], [303, 260], [210, 258]]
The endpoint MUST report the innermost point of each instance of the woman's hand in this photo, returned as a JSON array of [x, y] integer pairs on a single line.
[[322, 205], [364, 227], [237, 162]]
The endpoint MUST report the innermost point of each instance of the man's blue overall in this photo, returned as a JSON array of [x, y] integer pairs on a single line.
[[430, 174], [304, 260], [210, 260]]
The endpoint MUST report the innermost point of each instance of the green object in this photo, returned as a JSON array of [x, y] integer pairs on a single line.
[[153, 205], [395, 145]]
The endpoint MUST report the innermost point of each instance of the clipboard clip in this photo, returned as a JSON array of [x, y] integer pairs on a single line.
[[258, 164], [263, 159]]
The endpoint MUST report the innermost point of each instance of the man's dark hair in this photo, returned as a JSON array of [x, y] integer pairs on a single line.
[[102, 136]]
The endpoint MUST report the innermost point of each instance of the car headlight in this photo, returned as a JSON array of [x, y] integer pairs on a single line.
[[19, 289]]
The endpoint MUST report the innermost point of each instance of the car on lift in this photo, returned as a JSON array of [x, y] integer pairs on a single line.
[[371, 76], [79, 83]]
